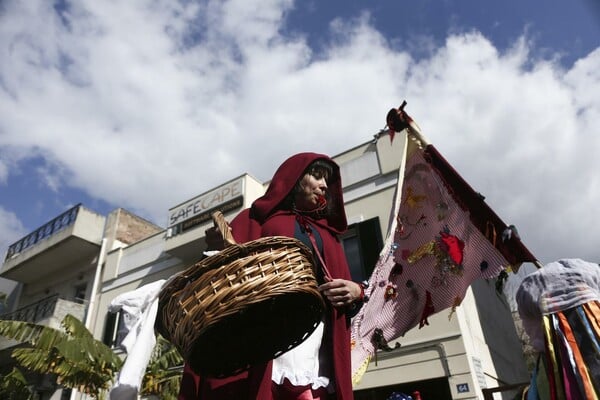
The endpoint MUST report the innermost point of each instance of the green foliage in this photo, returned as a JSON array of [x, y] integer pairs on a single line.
[[13, 386], [77, 359], [163, 374], [81, 362]]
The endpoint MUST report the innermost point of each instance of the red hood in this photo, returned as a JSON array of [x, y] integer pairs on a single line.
[[283, 182]]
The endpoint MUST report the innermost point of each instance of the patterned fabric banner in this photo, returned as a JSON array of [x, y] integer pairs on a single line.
[[443, 237]]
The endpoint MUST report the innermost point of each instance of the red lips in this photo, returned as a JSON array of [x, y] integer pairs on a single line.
[[321, 200]]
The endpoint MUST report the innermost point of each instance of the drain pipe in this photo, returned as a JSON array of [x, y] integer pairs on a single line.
[[92, 303], [96, 283]]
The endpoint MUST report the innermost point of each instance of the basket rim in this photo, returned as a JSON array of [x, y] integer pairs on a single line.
[[229, 254]]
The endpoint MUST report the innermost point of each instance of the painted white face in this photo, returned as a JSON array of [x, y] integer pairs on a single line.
[[312, 189]]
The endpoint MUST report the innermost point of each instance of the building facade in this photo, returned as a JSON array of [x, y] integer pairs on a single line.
[[452, 358], [55, 272]]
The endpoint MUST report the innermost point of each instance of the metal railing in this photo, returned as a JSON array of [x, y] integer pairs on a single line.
[[34, 312], [57, 224]]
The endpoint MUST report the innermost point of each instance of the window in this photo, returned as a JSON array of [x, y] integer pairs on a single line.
[[114, 329], [80, 291], [362, 244]]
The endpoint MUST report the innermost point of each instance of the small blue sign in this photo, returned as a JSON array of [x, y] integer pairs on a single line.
[[462, 387]]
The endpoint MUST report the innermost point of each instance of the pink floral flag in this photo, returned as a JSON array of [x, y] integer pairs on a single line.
[[443, 236]]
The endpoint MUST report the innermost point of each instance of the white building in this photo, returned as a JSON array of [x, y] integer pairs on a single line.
[[55, 267]]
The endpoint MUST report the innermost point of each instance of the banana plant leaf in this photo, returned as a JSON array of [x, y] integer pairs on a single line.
[[163, 375], [77, 359], [14, 386]]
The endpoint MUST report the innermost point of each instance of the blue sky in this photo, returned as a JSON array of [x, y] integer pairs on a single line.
[[146, 104]]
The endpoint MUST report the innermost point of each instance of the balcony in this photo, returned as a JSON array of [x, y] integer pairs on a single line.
[[49, 312], [73, 236]]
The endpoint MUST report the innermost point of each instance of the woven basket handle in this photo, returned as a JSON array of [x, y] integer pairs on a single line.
[[223, 226]]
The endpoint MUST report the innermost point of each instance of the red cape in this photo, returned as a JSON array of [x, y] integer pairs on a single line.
[[265, 219]]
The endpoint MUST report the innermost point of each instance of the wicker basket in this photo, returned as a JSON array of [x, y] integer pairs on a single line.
[[245, 305]]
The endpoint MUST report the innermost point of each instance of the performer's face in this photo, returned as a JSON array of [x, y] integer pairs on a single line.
[[311, 190]]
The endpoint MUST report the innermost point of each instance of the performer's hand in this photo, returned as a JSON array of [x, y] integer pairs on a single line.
[[341, 292], [214, 239]]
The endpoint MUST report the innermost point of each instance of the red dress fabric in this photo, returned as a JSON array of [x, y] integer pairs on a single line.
[[268, 217]]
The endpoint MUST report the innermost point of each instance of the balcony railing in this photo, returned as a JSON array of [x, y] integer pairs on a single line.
[[34, 312], [57, 224], [53, 306]]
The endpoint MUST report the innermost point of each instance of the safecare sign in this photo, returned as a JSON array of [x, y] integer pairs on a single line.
[[207, 202]]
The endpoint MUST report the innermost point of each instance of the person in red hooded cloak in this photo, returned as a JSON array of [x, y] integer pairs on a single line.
[[303, 199]]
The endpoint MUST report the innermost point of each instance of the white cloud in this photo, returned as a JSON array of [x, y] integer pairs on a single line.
[[148, 104]]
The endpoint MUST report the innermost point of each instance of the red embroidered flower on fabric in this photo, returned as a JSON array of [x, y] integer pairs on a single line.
[[453, 246]]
